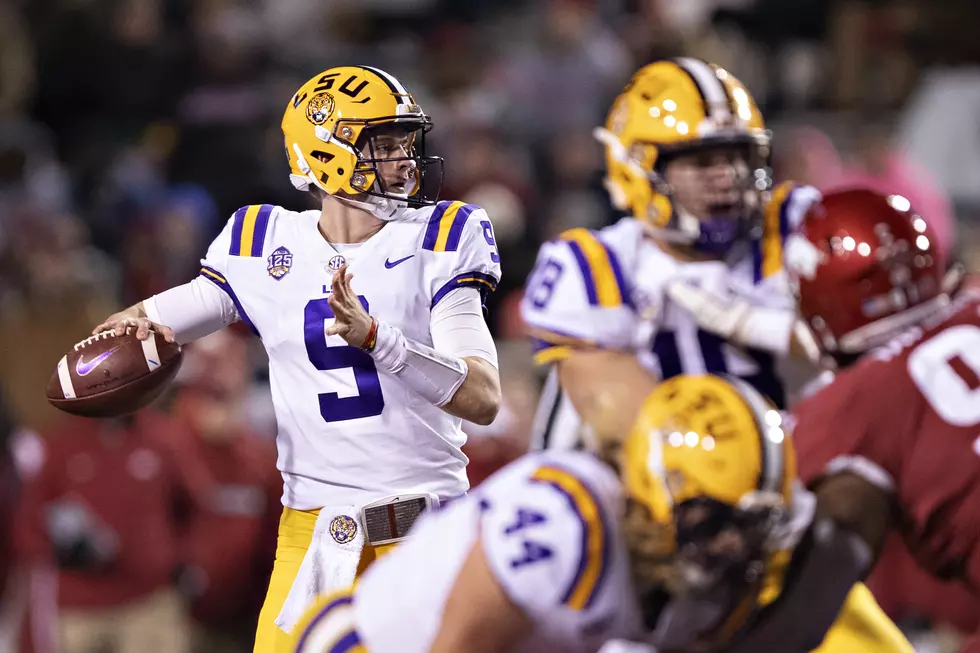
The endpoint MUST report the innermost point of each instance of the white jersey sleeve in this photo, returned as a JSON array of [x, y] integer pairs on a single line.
[[243, 239], [207, 303], [578, 295], [783, 216], [762, 278], [550, 534], [459, 328], [459, 251], [192, 310]]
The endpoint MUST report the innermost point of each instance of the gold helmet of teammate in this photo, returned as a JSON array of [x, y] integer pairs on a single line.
[[688, 153], [708, 460], [356, 133]]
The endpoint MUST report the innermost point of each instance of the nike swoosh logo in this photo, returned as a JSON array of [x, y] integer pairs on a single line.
[[391, 264], [83, 368]]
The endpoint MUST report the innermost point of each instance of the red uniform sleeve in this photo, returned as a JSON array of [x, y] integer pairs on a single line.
[[31, 541], [842, 425]]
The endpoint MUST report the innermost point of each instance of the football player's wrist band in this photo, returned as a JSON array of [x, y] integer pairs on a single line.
[[432, 375], [371, 339]]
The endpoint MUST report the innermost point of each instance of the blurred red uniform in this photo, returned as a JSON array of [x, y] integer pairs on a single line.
[[907, 416], [231, 540], [904, 590], [8, 498], [129, 486], [487, 454], [105, 508]]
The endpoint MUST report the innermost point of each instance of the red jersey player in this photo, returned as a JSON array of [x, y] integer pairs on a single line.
[[893, 441]]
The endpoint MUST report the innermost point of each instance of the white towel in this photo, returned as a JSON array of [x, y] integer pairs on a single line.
[[330, 563]]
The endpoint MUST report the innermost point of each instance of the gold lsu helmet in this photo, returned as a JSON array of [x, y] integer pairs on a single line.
[[675, 107], [709, 460], [328, 125]]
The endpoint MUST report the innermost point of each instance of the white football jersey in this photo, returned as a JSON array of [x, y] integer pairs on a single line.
[[608, 289], [347, 433], [549, 527]]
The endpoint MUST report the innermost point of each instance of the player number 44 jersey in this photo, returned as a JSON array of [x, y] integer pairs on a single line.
[[347, 433], [549, 528]]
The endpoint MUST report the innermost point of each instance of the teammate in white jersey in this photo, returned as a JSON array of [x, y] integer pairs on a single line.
[[687, 157], [555, 553], [370, 310]]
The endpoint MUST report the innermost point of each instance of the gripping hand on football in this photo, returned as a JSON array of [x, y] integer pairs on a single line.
[[352, 321], [133, 318]]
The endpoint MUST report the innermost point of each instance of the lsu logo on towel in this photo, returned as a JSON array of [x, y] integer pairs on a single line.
[[342, 529]]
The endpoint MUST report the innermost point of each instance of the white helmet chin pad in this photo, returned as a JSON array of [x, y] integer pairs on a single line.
[[383, 208], [380, 207]]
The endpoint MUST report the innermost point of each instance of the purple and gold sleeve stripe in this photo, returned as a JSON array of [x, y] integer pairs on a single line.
[[219, 280], [605, 284], [445, 226], [313, 639], [485, 283], [768, 251], [551, 346], [546, 352], [349, 642], [248, 230], [594, 557]]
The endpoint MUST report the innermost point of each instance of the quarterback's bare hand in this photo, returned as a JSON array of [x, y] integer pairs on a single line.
[[125, 321], [352, 322]]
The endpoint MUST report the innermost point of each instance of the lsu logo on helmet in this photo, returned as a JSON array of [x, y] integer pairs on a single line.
[[320, 108]]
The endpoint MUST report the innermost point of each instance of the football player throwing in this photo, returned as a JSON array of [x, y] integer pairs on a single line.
[[370, 310]]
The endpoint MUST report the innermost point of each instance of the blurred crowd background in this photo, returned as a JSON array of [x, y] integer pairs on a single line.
[[131, 129]]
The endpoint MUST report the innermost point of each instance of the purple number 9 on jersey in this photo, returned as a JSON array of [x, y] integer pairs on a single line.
[[488, 236], [369, 400]]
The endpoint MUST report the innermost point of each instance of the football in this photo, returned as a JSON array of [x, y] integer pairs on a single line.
[[108, 375]]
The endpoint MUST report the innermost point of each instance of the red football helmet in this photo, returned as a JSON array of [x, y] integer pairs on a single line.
[[869, 268]]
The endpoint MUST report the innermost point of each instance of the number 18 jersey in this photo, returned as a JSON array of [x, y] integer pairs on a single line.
[[347, 432], [607, 289]]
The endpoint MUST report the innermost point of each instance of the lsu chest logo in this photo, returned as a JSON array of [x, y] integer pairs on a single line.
[[279, 263]]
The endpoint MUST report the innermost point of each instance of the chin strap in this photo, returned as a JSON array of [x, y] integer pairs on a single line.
[[380, 207]]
